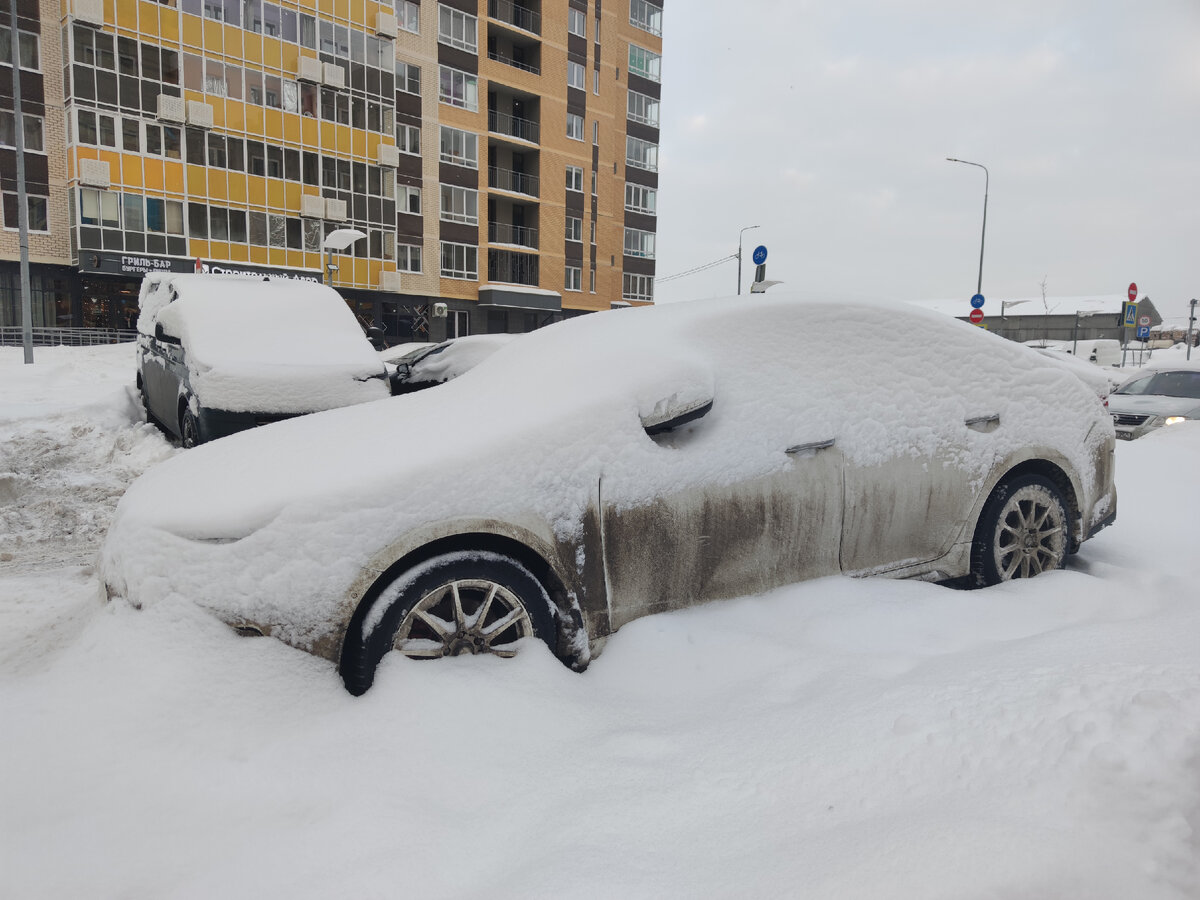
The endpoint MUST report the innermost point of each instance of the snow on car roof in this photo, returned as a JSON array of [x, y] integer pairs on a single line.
[[456, 357]]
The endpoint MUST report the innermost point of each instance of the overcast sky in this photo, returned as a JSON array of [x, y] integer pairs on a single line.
[[827, 123]]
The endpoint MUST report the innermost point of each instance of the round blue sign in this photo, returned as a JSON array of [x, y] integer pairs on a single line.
[[760, 255], [977, 301]]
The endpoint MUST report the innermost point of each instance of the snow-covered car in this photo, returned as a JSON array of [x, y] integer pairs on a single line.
[[1101, 379], [622, 464], [434, 364], [1154, 399], [219, 354]]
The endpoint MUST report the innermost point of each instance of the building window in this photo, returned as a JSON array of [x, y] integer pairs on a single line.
[[639, 243], [459, 148], [577, 22], [593, 182], [574, 228], [460, 204], [575, 178], [408, 199], [30, 50], [457, 29], [460, 261], [646, 16], [645, 63], [593, 223], [408, 139], [637, 287], [408, 78], [643, 109], [408, 257], [576, 77], [102, 208], [639, 198], [574, 127], [592, 280], [458, 88], [37, 207], [574, 278], [641, 154], [595, 132], [408, 15], [33, 132], [596, 81]]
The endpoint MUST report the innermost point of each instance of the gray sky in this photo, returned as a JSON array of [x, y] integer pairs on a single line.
[[827, 122]]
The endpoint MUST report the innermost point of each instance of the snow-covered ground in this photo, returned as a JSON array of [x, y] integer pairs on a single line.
[[837, 739]]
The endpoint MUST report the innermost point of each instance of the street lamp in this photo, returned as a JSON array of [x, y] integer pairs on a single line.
[[740, 233], [986, 179], [338, 239]]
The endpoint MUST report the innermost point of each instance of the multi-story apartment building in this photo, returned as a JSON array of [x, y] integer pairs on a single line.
[[499, 157]]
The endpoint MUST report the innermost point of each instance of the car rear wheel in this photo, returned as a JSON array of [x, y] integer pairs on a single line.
[[1023, 531], [189, 428], [450, 605]]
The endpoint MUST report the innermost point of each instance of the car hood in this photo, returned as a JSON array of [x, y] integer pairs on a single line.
[[1153, 405], [287, 388]]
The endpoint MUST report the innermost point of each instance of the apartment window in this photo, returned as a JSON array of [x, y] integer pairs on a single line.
[[642, 108], [408, 78], [164, 216], [460, 204], [593, 182], [577, 22], [458, 88], [642, 199], [592, 280], [574, 278], [575, 178], [408, 15], [645, 63], [639, 243], [460, 261], [574, 228], [574, 127], [637, 287], [576, 77], [459, 148], [408, 257], [33, 131], [408, 199], [641, 154], [29, 49], [101, 208], [408, 139], [595, 81], [457, 29], [37, 207], [646, 16], [596, 132], [593, 224]]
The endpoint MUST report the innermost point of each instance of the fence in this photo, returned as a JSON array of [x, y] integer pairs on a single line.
[[11, 336]]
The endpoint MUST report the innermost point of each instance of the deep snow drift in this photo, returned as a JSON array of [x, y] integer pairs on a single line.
[[840, 738]]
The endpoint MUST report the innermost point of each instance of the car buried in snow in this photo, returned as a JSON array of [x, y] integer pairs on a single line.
[[219, 354], [627, 463]]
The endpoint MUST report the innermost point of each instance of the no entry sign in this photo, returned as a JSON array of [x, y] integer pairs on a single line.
[[1132, 291], [976, 316]]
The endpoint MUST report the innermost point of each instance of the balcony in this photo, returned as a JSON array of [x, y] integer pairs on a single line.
[[521, 236], [516, 15], [510, 180], [514, 62], [507, 266], [512, 126]]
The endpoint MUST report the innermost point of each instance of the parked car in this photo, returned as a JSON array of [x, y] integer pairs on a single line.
[[1153, 399], [1103, 380], [425, 366], [219, 353], [622, 464]]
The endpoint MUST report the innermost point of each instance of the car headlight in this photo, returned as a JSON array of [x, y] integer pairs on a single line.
[[1174, 420]]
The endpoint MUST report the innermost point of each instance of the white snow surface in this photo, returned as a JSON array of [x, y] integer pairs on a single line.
[[836, 739], [462, 355]]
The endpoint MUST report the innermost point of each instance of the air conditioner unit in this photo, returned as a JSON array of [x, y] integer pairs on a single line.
[[389, 281], [332, 75], [171, 109], [312, 206], [385, 24], [309, 70], [387, 155], [335, 210], [199, 114], [88, 12], [440, 311], [94, 173]]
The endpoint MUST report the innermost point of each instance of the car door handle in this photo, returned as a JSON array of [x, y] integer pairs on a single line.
[[984, 423], [812, 446]]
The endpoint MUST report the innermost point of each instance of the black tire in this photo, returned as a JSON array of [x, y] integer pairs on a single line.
[[1024, 530], [189, 428], [415, 612]]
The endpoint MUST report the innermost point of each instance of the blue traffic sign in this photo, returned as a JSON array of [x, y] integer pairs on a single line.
[[760, 255], [977, 301], [1143, 332], [1130, 315]]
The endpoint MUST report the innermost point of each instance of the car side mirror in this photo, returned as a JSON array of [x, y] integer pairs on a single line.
[[672, 412], [160, 334]]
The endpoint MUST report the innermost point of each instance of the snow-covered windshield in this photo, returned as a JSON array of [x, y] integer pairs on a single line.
[[1166, 384]]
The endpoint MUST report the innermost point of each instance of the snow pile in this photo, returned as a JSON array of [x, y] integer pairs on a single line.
[[840, 738]]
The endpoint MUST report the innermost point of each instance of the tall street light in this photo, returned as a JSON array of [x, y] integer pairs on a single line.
[[986, 178], [740, 233], [339, 239]]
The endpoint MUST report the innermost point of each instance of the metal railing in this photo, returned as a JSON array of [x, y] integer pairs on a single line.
[[503, 123], [513, 267], [516, 15], [516, 64], [510, 180], [500, 233], [11, 336]]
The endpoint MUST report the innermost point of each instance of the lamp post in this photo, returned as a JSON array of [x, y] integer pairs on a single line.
[[740, 233], [338, 239], [1191, 322], [983, 237]]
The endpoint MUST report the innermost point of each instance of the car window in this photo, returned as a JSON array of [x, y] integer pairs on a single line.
[[1176, 384], [1137, 386]]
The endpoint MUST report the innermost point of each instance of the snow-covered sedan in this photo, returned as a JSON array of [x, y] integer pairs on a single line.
[[219, 354], [627, 463]]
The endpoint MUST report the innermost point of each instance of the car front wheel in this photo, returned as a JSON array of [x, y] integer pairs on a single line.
[[1023, 531], [189, 429]]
